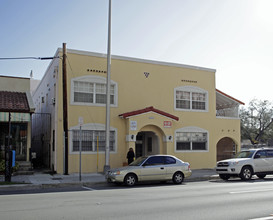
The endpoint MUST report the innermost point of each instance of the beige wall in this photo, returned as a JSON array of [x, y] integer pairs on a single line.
[[14, 84], [135, 92]]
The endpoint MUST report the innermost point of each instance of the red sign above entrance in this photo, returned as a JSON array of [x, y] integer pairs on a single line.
[[167, 124]]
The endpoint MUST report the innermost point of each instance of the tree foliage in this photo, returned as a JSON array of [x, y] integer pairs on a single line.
[[256, 121]]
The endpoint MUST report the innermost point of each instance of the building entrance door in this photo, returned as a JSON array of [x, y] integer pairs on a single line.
[[147, 143]]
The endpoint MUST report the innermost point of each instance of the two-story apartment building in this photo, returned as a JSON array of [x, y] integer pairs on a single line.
[[156, 108]]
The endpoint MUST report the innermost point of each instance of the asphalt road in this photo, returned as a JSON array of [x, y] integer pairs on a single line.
[[197, 200]]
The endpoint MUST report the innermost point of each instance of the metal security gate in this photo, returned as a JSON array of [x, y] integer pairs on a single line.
[[40, 140]]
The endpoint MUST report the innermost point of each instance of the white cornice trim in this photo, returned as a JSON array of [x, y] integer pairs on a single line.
[[116, 57]]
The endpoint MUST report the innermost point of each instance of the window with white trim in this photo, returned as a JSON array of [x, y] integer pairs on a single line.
[[92, 140], [92, 90], [191, 98], [191, 139]]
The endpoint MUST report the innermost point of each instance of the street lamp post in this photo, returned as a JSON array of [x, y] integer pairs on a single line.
[[108, 83]]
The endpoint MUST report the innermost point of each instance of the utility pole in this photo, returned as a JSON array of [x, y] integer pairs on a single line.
[[107, 129], [8, 155], [65, 119]]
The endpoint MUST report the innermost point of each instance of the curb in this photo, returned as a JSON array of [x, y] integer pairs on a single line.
[[30, 186]]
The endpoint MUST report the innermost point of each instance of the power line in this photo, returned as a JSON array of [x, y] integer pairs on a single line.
[[28, 58]]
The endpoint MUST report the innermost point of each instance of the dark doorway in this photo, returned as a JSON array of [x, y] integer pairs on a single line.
[[139, 144], [226, 149], [147, 143], [40, 140]]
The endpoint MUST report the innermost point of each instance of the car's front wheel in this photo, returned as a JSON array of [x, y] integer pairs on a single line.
[[130, 179], [224, 176], [178, 178], [246, 173]]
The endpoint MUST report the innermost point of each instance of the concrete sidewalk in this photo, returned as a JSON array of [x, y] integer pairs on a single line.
[[43, 180]]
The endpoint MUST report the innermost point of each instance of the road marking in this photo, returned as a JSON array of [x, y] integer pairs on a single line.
[[251, 191], [263, 218], [84, 187]]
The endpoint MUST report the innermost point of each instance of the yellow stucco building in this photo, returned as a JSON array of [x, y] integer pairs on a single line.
[[156, 108]]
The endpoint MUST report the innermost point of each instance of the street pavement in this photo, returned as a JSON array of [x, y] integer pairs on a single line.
[[40, 180]]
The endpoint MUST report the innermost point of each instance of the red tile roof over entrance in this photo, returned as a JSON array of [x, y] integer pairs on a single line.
[[13, 102], [148, 109]]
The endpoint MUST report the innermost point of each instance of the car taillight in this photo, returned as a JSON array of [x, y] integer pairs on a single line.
[[189, 167]]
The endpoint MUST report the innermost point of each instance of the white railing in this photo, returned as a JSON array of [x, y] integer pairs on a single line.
[[232, 112]]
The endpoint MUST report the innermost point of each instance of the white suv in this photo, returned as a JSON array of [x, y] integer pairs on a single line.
[[246, 163]]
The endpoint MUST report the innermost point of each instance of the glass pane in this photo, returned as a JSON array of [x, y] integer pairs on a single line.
[[270, 153], [198, 105], [101, 98], [199, 137], [112, 99], [182, 104], [112, 89], [198, 96], [83, 97], [199, 146], [170, 160], [183, 146], [83, 87], [101, 88], [182, 95], [155, 161], [183, 136]]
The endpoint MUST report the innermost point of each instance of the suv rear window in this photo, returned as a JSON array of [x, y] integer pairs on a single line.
[[270, 153]]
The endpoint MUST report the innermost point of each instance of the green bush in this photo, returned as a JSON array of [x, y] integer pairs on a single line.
[[2, 167]]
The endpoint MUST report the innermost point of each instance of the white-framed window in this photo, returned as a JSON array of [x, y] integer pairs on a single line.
[[191, 139], [91, 90], [190, 98], [93, 138]]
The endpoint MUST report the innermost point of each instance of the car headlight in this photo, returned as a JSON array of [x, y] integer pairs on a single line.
[[116, 172], [233, 163]]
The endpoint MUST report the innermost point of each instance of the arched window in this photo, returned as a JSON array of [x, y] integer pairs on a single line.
[[190, 98], [91, 90]]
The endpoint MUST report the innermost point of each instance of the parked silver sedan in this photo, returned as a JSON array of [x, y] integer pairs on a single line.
[[151, 168]]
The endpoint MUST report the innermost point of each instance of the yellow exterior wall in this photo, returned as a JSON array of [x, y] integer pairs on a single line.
[[135, 92]]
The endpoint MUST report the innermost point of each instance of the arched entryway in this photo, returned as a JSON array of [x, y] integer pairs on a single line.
[[147, 143], [226, 148]]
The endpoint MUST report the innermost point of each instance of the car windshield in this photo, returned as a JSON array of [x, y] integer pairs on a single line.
[[244, 154], [138, 161]]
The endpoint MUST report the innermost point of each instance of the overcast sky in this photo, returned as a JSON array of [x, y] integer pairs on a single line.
[[235, 37]]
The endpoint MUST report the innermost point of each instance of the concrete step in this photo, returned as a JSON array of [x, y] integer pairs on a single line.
[[29, 172], [24, 166]]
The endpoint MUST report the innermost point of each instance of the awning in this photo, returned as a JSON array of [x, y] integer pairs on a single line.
[[224, 101], [15, 117]]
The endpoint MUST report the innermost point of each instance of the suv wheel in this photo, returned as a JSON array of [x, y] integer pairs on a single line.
[[246, 173], [224, 176]]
